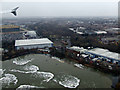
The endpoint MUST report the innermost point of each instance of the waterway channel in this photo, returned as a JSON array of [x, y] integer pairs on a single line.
[[43, 71]]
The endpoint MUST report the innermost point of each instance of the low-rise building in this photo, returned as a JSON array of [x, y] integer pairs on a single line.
[[113, 30], [33, 43], [9, 28], [105, 54], [10, 32], [94, 54], [75, 52], [30, 34], [100, 32]]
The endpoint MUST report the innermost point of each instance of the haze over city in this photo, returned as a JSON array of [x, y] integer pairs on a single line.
[[46, 9]]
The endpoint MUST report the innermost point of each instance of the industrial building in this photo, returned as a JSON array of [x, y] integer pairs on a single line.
[[75, 52], [100, 32], [113, 30], [96, 53], [30, 34], [78, 49], [104, 53], [33, 43], [9, 28]]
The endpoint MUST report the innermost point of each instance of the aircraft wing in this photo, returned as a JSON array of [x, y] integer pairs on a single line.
[[9, 11], [14, 13], [15, 8]]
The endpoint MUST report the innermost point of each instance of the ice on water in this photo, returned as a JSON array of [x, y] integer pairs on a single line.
[[32, 69], [68, 81], [1, 72], [47, 76], [21, 61], [8, 79], [26, 87], [27, 69]]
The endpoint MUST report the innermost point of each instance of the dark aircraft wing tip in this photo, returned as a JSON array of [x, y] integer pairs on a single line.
[[14, 11]]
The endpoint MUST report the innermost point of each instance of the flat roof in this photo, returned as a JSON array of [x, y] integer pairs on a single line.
[[31, 33], [78, 49], [112, 29], [101, 32], [80, 33], [105, 53], [26, 42], [11, 32], [8, 26]]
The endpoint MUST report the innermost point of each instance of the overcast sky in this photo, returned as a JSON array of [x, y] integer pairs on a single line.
[[33, 9]]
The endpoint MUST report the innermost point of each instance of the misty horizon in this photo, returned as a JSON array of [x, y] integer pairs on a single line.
[[67, 9]]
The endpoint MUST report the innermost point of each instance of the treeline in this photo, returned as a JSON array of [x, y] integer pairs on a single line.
[[47, 29], [53, 28], [93, 41], [8, 45]]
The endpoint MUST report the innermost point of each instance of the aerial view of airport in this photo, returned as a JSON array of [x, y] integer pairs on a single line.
[[60, 45]]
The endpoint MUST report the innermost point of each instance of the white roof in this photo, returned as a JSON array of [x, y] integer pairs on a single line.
[[31, 33], [112, 29], [94, 59], [101, 32], [105, 53], [80, 32], [83, 55], [32, 42], [79, 49], [76, 48]]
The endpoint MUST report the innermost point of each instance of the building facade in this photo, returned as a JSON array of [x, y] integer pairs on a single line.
[[9, 28], [33, 43]]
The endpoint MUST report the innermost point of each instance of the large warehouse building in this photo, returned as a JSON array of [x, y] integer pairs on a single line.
[[9, 28], [105, 54], [33, 43]]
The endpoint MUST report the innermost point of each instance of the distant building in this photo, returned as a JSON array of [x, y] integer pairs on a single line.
[[78, 49], [30, 34], [33, 43], [11, 32], [100, 32], [75, 52], [79, 32], [9, 28], [107, 40], [113, 31]]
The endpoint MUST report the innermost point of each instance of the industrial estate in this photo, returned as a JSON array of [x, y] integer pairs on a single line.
[[85, 41], [25, 39], [60, 52]]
